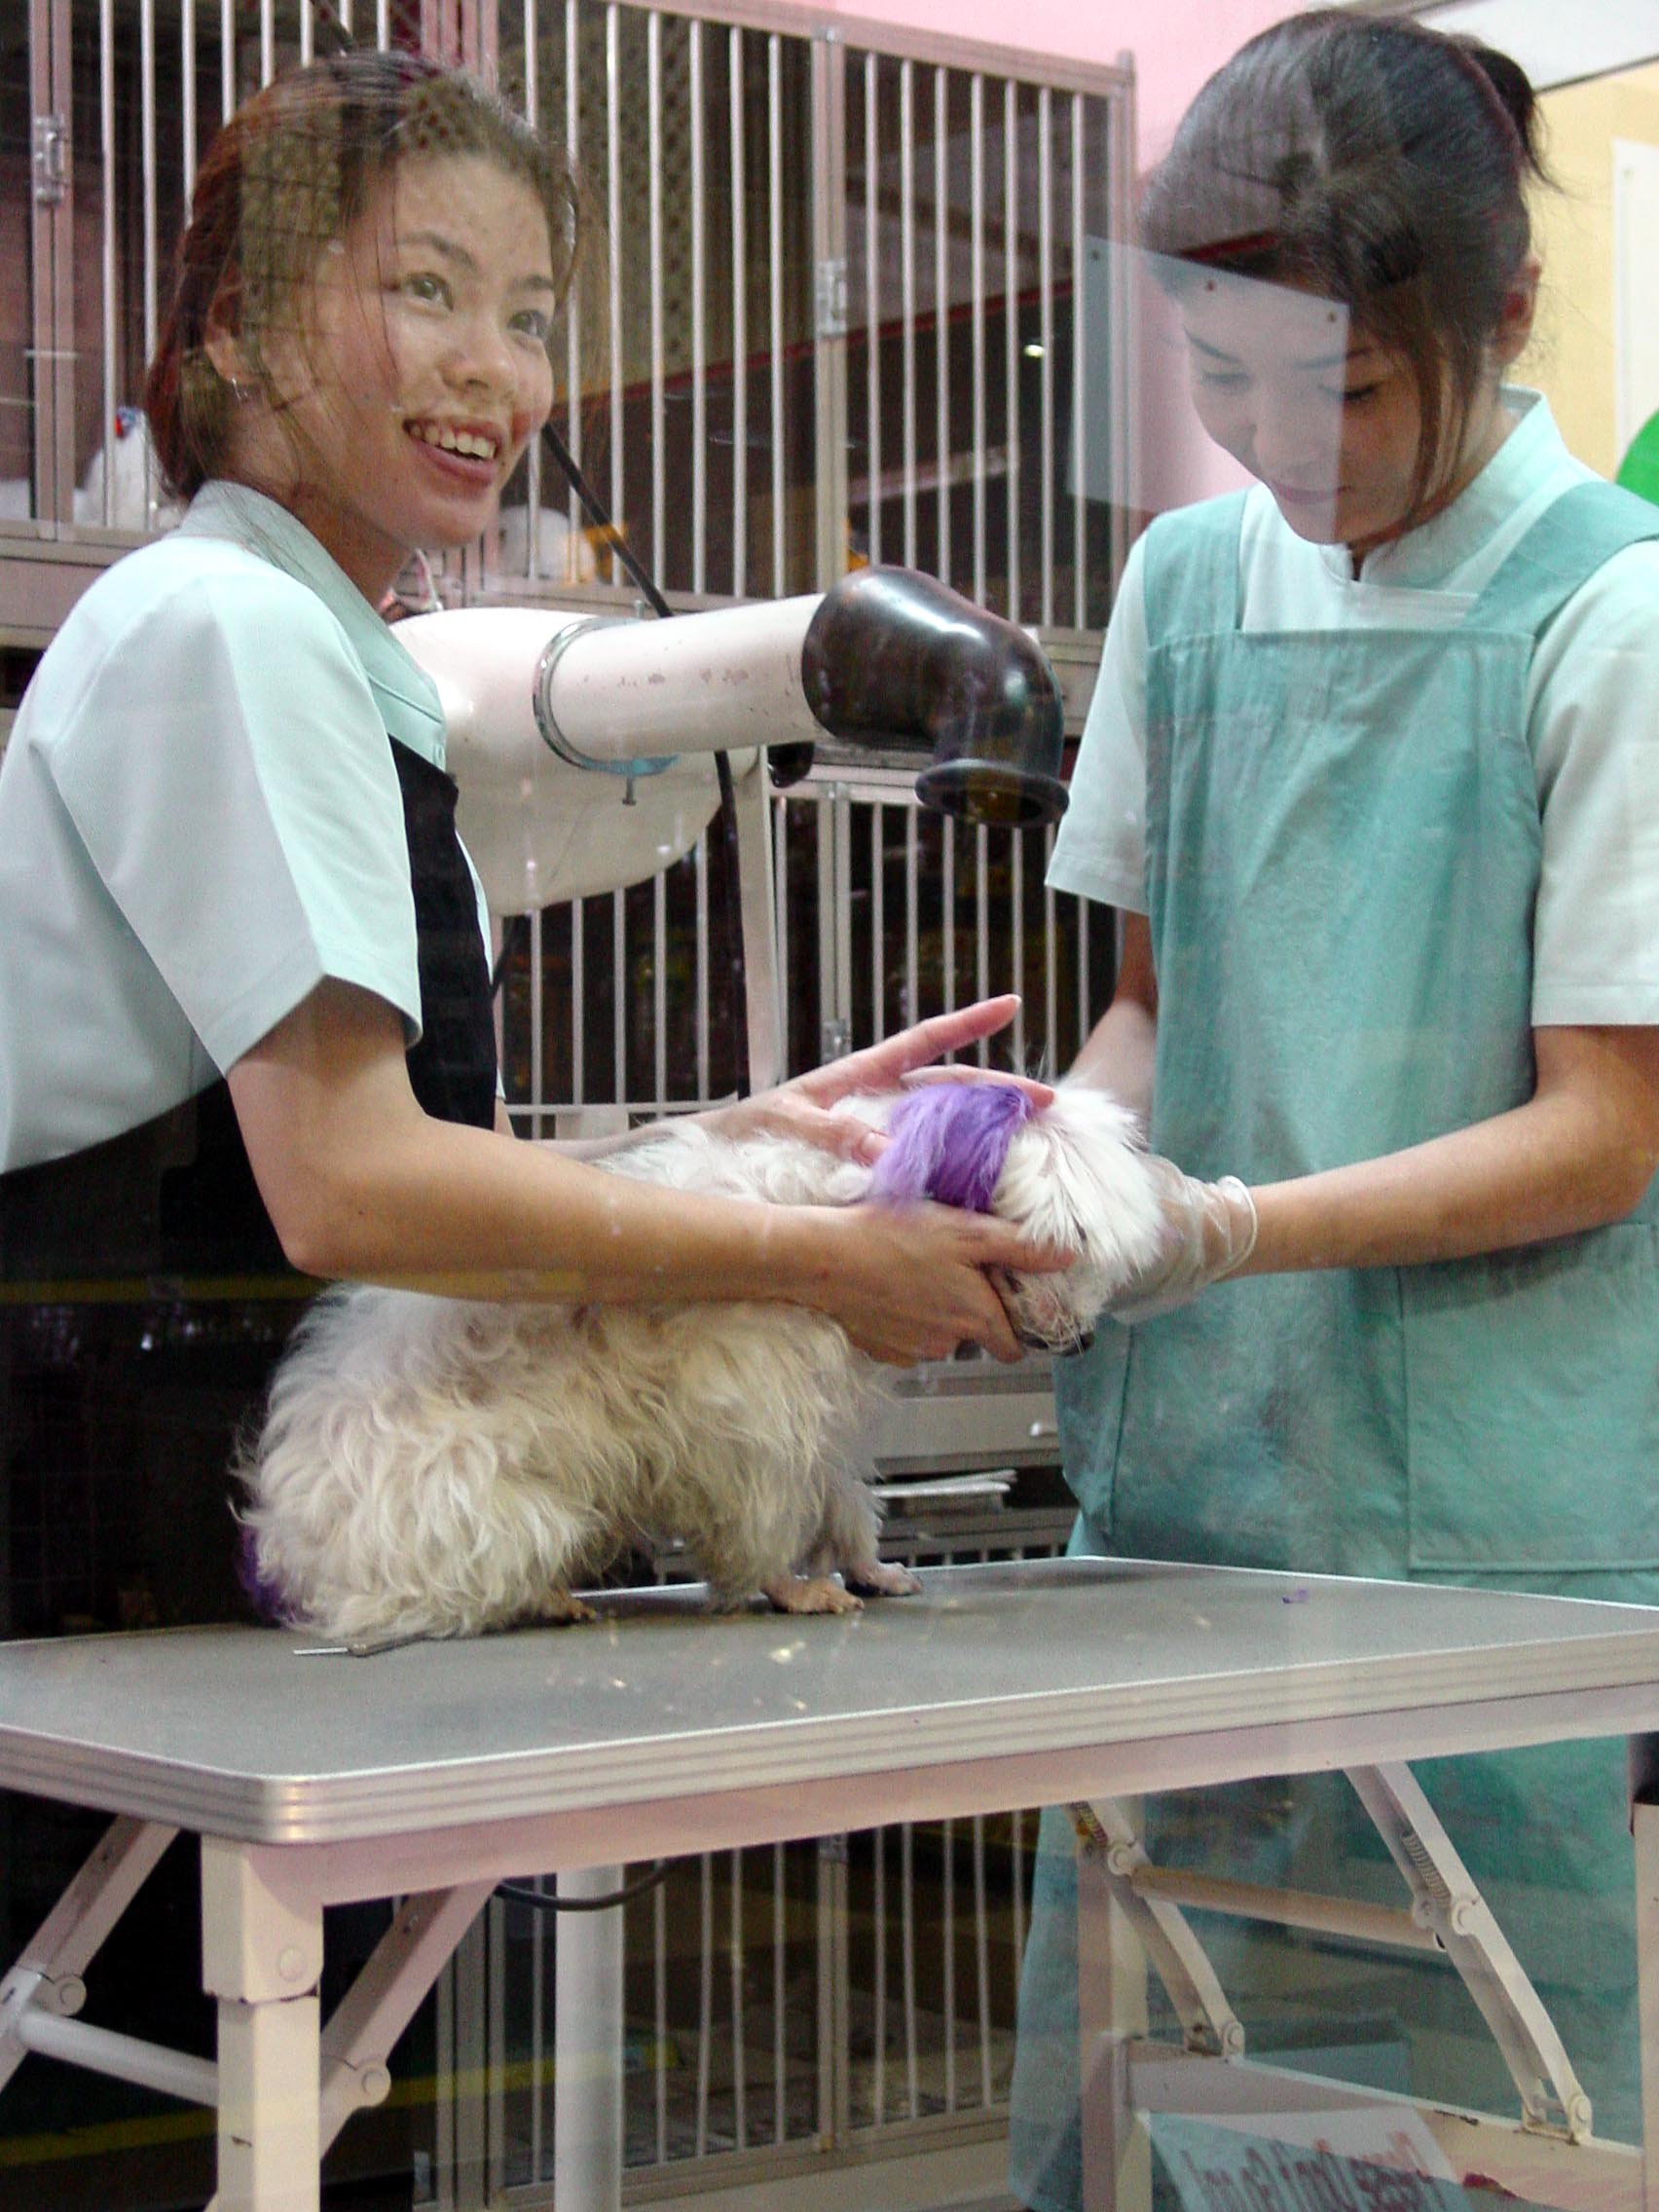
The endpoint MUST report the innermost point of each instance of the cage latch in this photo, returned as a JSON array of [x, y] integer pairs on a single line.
[[51, 161], [832, 298]]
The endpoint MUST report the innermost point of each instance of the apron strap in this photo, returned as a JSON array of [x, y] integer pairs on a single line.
[[1573, 538], [453, 1068], [1192, 571]]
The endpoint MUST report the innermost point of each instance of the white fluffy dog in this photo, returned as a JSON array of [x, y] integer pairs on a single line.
[[436, 1466]]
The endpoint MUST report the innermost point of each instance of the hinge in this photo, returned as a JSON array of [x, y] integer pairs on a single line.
[[51, 161], [832, 298]]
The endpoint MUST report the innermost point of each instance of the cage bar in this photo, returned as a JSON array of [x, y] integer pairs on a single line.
[[699, 315], [738, 173], [941, 318], [659, 401]]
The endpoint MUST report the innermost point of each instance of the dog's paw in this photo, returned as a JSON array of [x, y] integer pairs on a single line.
[[882, 1578], [560, 1609], [811, 1594]]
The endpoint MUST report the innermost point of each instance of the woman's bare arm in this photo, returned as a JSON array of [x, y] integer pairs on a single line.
[[360, 1182], [1118, 1052], [1578, 1155]]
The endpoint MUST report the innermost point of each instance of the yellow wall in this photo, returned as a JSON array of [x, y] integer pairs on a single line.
[[1571, 356]]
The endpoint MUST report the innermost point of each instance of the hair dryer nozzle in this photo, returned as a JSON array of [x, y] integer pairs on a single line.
[[893, 657]]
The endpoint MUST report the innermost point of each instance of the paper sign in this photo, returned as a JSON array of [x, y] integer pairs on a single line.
[[1369, 2161]]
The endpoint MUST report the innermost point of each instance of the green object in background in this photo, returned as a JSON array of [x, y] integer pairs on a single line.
[[1639, 471]]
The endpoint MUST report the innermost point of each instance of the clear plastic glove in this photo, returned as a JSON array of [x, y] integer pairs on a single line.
[[1209, 1231]]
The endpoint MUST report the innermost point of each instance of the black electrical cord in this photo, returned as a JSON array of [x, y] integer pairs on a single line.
[[540, 1901], [516, 933], [329, 35], [598, 515], [736, 994]]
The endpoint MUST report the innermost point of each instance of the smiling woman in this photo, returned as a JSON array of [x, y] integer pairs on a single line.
[[246, 1022], [246, 1032]]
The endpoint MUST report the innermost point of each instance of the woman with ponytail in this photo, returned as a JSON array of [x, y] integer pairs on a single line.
[[1371, 772]]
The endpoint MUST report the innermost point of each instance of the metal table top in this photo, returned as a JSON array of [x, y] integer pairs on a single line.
[[230, 1732]]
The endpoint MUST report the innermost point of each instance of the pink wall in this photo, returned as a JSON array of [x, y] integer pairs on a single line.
[[1175, 43]]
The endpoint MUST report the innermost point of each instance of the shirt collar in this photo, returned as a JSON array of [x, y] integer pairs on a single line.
[[1425, 558], [406, 695]]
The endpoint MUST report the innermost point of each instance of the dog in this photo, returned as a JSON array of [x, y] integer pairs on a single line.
[[438, 1466]]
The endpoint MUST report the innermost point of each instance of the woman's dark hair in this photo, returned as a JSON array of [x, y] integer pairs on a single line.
[[289, 172], [1379, 164]]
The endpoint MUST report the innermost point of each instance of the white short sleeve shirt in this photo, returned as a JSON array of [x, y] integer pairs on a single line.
[[200, 821], [1591, 707]]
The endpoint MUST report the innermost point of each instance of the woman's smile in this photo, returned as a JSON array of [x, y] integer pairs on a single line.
[[475, 443], [461, 455]]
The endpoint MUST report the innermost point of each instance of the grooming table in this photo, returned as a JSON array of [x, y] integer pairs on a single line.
[[430, 1771]]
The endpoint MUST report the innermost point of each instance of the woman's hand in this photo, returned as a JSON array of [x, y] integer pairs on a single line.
[[803, 1107], [908, 1283], [360, 1182], [1208, 1233]]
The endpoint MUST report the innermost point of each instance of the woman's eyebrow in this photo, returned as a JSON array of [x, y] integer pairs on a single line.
[[450, 249], [1351, 357]]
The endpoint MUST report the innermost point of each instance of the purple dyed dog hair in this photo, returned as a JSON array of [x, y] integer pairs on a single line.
[[949, 1141], [265, 1599]]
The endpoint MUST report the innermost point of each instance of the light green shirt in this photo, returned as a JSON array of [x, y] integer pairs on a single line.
[[200, 821]]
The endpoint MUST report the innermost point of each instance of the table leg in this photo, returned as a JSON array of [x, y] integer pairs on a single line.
[[262, 1958], [1646, 1823], [49, 1977], [587, 2078], [1112, 2011]]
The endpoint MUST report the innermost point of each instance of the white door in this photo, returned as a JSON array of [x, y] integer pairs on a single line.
[[1636, 287]]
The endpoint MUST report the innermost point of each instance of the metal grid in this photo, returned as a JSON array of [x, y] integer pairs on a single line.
[[105, 106], [977, 369], [885, 914], [810, 2001], [851, 303]]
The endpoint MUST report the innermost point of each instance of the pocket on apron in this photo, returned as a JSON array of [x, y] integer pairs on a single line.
[[1533, 1406]]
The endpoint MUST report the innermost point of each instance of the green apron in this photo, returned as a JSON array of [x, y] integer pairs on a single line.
[[1343, 858]]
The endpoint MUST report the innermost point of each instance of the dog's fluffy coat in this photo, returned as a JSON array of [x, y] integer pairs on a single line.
[[440, 1467]]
